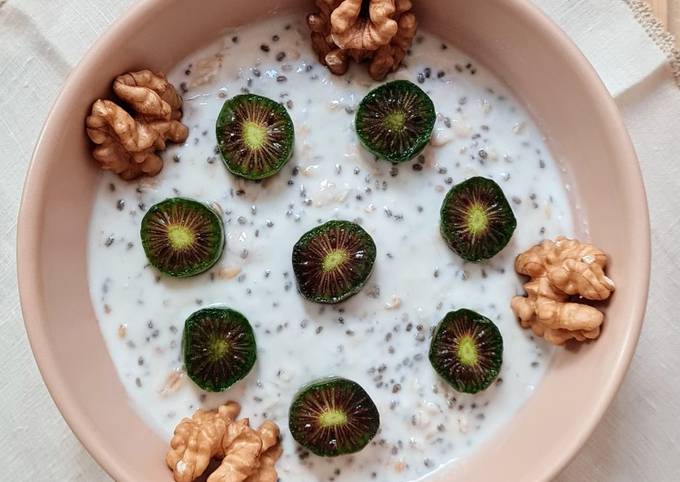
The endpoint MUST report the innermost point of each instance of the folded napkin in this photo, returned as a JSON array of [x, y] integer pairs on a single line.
[[637, 440]]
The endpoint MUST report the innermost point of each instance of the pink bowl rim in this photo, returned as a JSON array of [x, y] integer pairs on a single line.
[[29, 231]]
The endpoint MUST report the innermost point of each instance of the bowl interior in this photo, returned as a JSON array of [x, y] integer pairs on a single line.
[[521, 46]]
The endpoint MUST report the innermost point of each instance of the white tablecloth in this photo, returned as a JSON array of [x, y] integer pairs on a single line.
[[638, 439]]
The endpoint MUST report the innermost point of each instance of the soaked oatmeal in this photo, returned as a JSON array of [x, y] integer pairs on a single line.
[[380, 337]]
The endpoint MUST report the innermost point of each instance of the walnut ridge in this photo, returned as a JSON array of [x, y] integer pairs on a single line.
[[559, 270], [127, 141], [378, 31]]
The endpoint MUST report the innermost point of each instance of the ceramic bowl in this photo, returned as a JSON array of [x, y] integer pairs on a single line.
[[514, 40]]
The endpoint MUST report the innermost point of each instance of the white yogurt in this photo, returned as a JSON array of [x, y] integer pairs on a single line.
[[378, 338]]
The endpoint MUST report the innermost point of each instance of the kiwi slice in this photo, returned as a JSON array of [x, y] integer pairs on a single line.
[[255, 136], [219, 348], [182, 237], [395, 121], [333, 416], [333, 261], [476, 219], [467, 350]]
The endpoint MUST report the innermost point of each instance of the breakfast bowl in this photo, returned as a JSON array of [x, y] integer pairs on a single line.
[[542, 68]]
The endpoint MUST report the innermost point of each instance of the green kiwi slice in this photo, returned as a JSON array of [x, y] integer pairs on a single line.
[[333, 416], [467, 350], [476, 219], [218, 345], [333, 261], [255, 136], [182, 237], [395, 121]]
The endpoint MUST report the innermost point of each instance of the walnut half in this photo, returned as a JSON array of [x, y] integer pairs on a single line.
[[127, 142], [560, 270], [247, 455], [378, 31]]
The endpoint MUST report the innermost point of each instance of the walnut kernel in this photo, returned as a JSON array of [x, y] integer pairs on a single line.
[[558, 270], [379, 31], [247, 455], [127, 142]]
